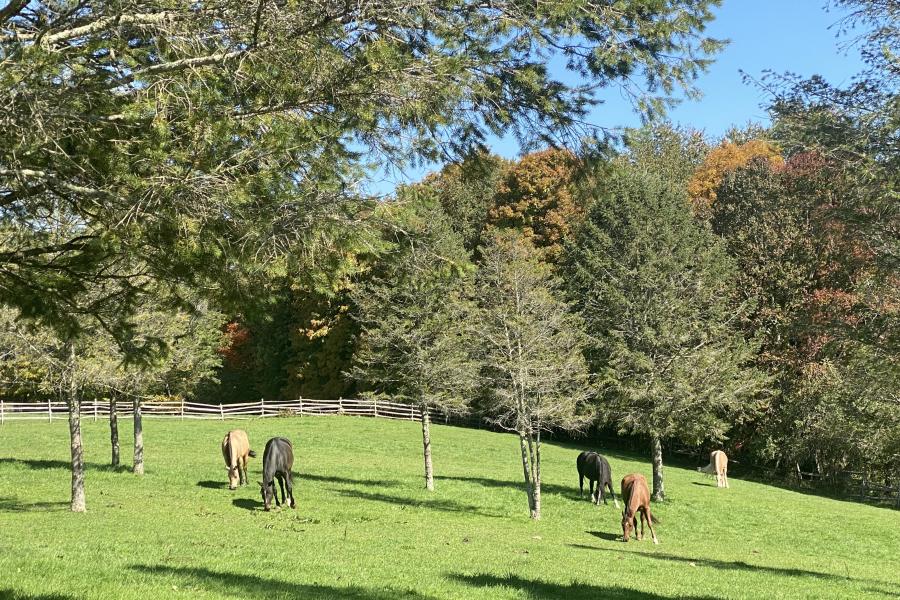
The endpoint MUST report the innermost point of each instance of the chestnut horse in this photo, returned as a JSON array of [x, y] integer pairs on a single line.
[[636, 496], [235, 450]]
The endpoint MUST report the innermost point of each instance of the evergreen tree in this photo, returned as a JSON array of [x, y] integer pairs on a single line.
[[414, 345], [656, 290]]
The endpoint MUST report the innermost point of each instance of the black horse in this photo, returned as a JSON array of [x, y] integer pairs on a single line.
[[278, 459], [595, 468]]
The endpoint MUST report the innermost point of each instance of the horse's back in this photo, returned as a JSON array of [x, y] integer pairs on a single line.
[[634, 483], [278, 455], [235, 445]]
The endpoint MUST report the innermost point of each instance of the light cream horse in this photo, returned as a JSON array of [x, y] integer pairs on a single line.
[[718, 466]]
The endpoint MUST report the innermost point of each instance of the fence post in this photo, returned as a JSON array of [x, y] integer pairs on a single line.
[[862, 488], [340, 405], [375, 404], [95, 410], [182, 409], [262, 407], [49, 411], [221, 411], [1, 411], [301, 405], [412, 412]]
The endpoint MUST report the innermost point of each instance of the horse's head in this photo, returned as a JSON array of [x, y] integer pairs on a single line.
[[627, 525], [234, 477], [267, 491]]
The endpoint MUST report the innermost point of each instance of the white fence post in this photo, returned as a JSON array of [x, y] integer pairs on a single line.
[[221, 411], [1, 411], [412, 412], [375, 404], [301, 405], [262, 407], [49, 411], [182, 409], [340, 406], [95, 410]]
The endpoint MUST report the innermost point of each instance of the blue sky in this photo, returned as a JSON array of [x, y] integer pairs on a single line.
[[797, 36]]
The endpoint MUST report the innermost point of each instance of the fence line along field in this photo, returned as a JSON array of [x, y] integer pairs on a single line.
[[365, 528]]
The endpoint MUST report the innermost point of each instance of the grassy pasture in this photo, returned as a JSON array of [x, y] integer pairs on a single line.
[[366, 529]]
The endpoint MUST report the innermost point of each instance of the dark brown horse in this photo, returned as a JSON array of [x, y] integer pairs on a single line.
[[636, 496]]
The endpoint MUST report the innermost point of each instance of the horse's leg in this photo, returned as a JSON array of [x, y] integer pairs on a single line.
[[725, 477], [242, 470], [650, 525], [612, 493], [580, 485], [275, 489], [290, 490], [638, 535], [591, 488]]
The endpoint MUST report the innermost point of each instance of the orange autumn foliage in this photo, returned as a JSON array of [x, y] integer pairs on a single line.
[[721, 160], [535, 196]]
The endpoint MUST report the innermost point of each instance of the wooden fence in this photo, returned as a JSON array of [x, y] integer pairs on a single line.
[[99, 409], [855, 485]]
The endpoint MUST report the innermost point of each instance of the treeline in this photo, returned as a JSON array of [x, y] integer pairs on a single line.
[[181, 215]]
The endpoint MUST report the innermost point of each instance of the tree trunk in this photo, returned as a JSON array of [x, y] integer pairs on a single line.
[[536, 503], [138, 468], [659, 492], [426, 446], [114, 430], [527, 471], [74, 401]]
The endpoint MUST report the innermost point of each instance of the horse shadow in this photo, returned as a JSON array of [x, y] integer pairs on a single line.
[[605, 535], [247, 503], [701, 484], [212, 485]]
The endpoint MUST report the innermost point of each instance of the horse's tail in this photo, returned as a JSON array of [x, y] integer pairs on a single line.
[[654, 519], [251, 453]]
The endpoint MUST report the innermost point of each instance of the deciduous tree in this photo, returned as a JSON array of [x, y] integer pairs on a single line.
[[531, 346]]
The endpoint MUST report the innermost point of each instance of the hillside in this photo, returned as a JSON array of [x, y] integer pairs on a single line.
[[365, 529]]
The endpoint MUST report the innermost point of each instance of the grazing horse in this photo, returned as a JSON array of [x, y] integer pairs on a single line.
[[236, 449], [718, 466], [595, 468], [636, 496], [278, 460]]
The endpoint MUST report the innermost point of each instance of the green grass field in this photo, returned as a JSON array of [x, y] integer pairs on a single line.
[[365, 528]]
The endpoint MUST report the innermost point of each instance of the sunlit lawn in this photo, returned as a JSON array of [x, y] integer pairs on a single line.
[[365, 528]]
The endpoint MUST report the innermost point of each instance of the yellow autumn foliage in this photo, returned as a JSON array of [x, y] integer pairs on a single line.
[[727, 157]]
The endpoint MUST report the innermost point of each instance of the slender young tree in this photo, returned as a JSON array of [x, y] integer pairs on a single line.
[[114, 429], [414, 345], [532, 351], [656, 290]]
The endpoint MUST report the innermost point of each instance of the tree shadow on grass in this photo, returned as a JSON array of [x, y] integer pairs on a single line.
[[348, 480], [251, 586], [568, 492], [544, 590], [8, 594], [247, 503], [430, 503], [14, 505], [60, 464], [733, 565]]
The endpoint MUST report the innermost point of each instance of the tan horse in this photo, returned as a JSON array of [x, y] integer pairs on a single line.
[[236, 449], [718, 466], [636, 495]]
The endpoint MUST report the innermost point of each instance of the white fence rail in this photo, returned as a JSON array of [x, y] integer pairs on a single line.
[[98, 409]]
